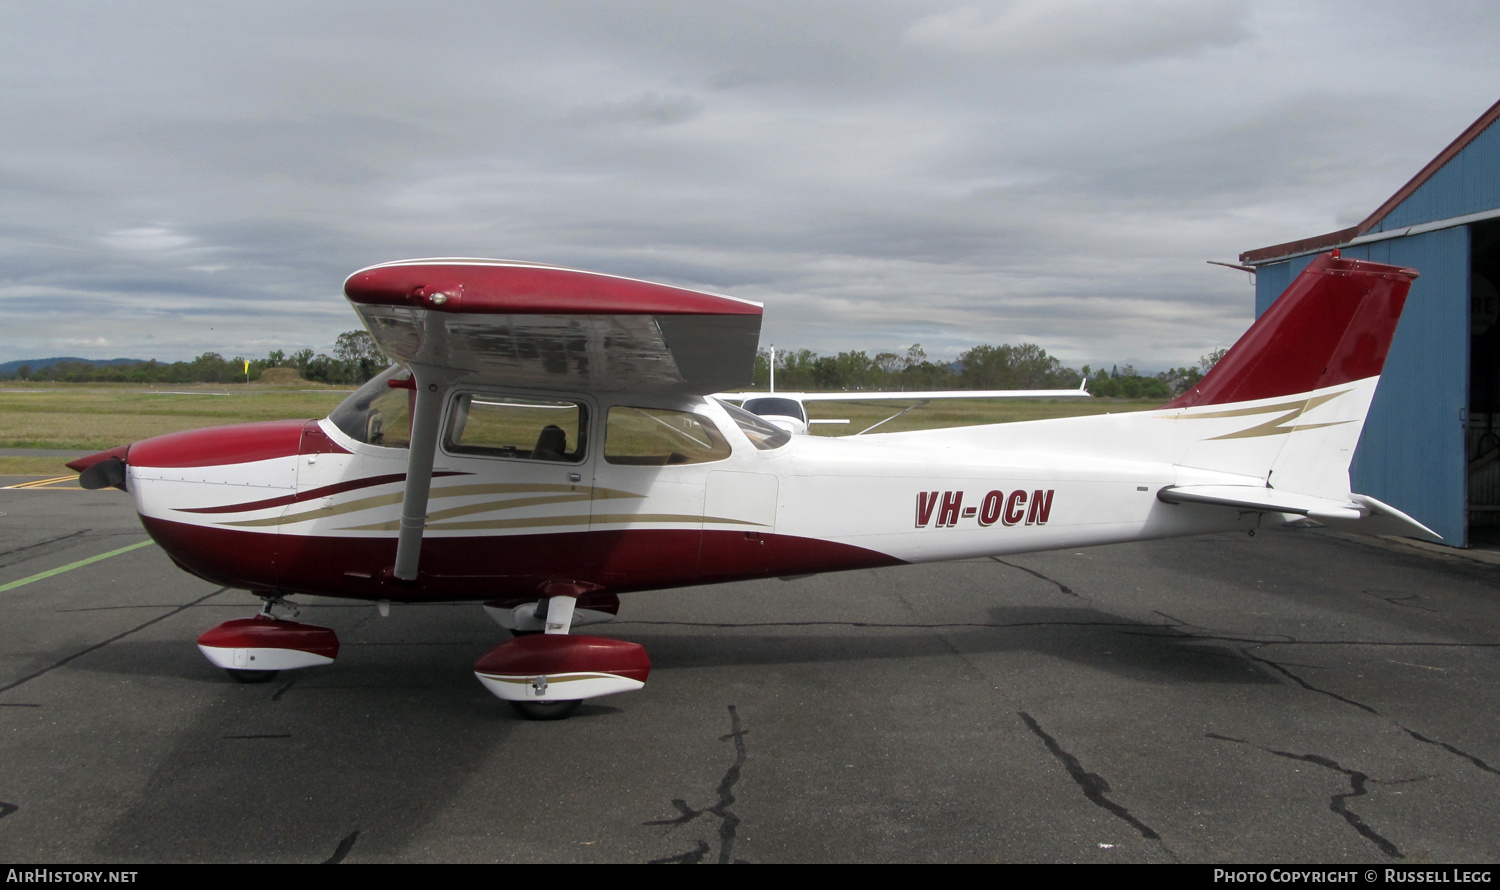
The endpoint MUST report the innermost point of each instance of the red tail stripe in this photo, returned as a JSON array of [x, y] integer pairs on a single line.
[[1333, 325]]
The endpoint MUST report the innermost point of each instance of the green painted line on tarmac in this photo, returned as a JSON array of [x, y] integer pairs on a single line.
[[73, 565]]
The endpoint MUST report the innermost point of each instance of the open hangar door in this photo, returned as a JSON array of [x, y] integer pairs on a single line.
[[1483, 439]]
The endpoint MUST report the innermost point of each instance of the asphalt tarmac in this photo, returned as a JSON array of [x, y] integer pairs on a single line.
[[1295, 697]]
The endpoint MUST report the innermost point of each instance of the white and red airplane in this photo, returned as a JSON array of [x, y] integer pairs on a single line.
[[543, 443]]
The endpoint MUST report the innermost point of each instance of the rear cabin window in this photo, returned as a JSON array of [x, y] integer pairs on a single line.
[[518, 427], [657, 437], [762, 434]]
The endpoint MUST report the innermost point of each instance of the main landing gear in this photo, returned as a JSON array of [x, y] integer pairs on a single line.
[[253, 650], [547, 675]]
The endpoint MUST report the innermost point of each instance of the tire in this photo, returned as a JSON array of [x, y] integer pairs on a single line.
[[546, 710], [241, 676]]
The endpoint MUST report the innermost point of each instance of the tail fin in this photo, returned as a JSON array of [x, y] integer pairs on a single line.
[[1286, 405], [1333, 325]]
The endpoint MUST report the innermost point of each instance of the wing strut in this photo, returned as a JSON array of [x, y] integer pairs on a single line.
[[893, 417], [425, 417]]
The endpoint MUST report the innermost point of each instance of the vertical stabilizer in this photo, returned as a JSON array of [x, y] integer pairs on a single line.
[[1333, 325], [1301, 379]]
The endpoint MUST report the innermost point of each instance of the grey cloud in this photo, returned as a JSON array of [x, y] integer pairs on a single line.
[[226, 167], [1063, 32], [648, 109]]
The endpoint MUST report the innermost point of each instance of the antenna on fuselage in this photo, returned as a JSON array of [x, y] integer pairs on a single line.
[[773, 367]]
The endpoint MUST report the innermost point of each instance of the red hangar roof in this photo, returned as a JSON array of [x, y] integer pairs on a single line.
[[1344, 236]]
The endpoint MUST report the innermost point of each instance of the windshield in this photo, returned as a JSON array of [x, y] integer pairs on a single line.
[[762, 435], [379, 413]]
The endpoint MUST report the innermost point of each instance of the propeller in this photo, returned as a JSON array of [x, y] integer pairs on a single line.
[[104, 474]]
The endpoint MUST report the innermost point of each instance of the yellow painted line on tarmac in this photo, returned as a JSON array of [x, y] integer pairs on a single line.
[[42, 483], [74, 565]]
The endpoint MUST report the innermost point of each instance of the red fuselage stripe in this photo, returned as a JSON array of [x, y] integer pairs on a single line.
[[497, 566]]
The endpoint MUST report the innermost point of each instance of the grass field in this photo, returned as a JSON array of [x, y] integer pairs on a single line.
[[91, 417]]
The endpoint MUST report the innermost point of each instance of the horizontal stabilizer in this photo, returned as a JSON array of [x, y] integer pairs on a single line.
[[1361, 513], [1264, 500]]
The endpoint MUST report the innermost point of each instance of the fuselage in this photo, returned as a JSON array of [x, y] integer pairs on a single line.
[[309, 506]]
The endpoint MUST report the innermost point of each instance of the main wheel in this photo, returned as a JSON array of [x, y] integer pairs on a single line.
[[251, 676], [546, 710]]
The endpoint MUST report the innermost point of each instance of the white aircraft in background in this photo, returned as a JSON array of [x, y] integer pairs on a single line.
[[546, 441], [788, 410]]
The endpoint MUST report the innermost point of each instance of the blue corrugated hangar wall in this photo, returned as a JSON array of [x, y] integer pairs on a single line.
[[1412, 454]]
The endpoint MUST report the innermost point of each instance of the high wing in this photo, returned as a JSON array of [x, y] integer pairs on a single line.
[[788, 410], [542, 327], [946, 394], [546, 327], [892, 396]]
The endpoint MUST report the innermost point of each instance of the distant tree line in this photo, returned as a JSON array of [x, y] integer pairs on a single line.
[[355, 359], [1026, 366]]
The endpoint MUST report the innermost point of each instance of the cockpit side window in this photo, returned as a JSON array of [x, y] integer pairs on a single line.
[[517, 426]]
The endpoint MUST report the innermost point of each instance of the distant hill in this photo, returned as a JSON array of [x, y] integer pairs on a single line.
[[9, 368]]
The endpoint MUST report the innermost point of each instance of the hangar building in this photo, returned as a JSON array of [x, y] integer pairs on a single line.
[[1431, 444]]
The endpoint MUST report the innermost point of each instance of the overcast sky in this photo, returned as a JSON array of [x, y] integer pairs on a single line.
[[185, 177]]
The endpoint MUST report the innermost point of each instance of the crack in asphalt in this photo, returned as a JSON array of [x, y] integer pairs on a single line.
[[119, 636], [342, 850], [691, 857], [1306, 685], [1338, 803], [1035, 574], [1398, 600], [729, 822], [1451, 749], [283, 690], [1094, 785], [5, 561]]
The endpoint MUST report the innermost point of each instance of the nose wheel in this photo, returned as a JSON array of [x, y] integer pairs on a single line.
[[548, 710], [250, 677]]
